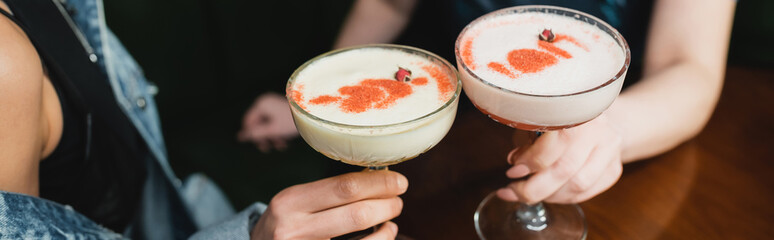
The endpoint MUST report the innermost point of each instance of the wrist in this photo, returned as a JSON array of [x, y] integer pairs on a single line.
[[617, 119]]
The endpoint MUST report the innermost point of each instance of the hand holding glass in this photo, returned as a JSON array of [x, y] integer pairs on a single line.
[[539, 68]]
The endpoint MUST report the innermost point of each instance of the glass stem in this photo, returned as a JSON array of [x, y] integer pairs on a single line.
[[533, 216], [368, 169]]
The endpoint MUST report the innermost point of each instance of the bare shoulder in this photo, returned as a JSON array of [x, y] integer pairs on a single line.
[[18, 59], [23, 126]]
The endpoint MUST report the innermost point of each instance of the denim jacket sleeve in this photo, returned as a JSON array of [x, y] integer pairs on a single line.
[[238, 227], [27, 217]]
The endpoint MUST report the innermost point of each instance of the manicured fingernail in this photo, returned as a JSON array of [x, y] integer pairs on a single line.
[[507, 194], [518, 171], [510, 155]]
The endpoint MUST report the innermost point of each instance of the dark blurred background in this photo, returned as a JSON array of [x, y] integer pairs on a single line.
[[210, 59]]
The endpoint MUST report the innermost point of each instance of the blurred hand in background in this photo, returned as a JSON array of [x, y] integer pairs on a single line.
[[268, 123]]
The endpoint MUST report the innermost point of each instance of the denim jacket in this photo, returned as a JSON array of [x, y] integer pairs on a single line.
[[165, 198]]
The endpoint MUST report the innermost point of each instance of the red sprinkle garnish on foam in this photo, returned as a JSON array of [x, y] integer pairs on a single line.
[[530, 60], [562, 37], [383, 93], [297, 96], [533, 60], [420, 81], [368, 94], [373, 93], [498, 67], [467, 54], [445, 85], [324, 99], [554, 49]]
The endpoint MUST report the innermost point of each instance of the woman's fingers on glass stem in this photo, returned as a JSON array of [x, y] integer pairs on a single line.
[[585, 183], [343, 189], [611, 175], [387, 231], [353, 217], [520, 169], [538, 156], [545, 183], [507, 194]]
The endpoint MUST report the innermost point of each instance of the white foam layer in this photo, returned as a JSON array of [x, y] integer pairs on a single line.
[[325, 76], [593, 63], [376, 146]]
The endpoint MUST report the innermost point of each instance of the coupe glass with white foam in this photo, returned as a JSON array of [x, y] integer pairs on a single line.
[[374, 105], [564, 78]]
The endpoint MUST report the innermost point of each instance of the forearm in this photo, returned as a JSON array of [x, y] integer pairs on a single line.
[[374, 21], [667, 108], [685, 62]]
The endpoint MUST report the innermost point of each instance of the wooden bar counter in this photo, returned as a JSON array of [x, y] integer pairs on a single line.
[[719, 185]]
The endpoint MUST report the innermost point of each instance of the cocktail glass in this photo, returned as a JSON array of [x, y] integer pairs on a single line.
[[498, 219], [377, 146]]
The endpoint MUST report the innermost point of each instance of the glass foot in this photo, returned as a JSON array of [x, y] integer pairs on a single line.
[[496, 219]]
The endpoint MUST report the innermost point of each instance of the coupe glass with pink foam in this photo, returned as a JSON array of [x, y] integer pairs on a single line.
[[539, 68]]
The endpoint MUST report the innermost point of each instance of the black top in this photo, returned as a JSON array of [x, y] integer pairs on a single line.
[[98, 167]]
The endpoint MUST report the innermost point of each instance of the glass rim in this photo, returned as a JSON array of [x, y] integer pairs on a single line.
[[615, 34], [452, 99]]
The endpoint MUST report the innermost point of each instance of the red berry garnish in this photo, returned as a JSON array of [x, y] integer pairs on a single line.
[[403, 75], [547, 35]]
